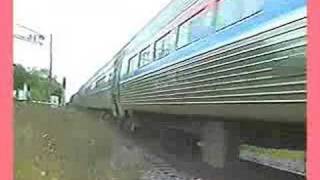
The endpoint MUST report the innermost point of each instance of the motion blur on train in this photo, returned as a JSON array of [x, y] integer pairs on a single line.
[[231, 61]]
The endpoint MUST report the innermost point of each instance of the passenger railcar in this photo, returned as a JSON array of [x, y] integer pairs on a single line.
[[236, 59]]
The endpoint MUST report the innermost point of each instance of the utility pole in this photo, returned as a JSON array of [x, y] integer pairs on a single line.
[[64, 84], [50, 69]]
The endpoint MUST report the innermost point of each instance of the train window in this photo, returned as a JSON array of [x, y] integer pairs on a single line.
[[100, 81], [133, 64], [184, 34], [93, 85], [198, 26], [124, 68], [165, 45], [195, 28], [110, 78], [232, 11], [146, 56]]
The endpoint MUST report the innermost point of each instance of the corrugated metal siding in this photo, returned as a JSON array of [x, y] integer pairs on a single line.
[[266, 68]]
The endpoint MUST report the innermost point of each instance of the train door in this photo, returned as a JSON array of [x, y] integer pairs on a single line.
[[116, 110]]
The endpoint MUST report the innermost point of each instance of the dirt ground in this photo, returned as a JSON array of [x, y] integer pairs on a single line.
[[66, 144]]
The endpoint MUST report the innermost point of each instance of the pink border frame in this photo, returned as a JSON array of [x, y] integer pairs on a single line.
[[313, 87], [6, 128]]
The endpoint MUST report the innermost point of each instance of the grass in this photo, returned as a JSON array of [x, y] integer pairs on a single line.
[[55, 144], [274, 153]]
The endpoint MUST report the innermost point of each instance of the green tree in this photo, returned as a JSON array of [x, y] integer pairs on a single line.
[[38, 81], [20, 76]]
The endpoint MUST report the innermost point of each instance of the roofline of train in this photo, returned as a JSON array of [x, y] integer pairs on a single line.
[[131, 40]]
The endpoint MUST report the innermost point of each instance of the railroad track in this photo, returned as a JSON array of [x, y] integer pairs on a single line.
[[162, 170]]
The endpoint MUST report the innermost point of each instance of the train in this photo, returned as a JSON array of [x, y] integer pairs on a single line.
[[209, 75], [233, 59]]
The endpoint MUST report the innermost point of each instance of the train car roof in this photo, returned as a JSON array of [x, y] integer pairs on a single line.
[[158, 22]]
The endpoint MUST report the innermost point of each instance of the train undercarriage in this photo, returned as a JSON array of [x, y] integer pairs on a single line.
[[217, 141]]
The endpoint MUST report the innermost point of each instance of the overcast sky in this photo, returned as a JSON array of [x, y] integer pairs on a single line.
[[86, 33]]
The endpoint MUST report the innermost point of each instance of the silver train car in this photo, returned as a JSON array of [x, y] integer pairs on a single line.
[[233, 59]]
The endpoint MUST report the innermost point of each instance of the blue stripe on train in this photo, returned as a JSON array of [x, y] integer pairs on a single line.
[[272, 10]]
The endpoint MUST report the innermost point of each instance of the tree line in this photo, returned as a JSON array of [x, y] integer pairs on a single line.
[[37, 81]]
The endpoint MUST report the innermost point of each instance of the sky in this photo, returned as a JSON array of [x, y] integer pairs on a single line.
[[86, 34]]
